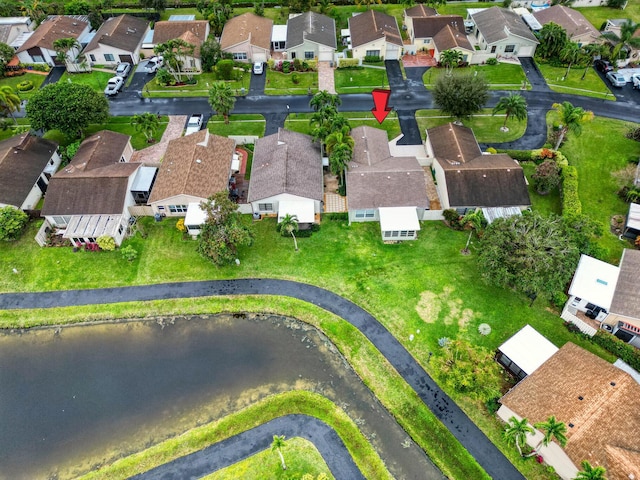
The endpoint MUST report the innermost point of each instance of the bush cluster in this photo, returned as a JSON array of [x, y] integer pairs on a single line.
[[285, 66], [25, 86], [520, 155], [492, 61], [571, 205], [453, 219], [372, 59], [348, 63], [621, 349], [302, 233]]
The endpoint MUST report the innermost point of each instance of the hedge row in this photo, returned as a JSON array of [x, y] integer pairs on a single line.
[[571, 205], [628, 353], [348, 62]]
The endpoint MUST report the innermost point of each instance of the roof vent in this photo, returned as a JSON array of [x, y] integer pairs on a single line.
[[571, 425], [613, 384], [580, 397], [198, 161]]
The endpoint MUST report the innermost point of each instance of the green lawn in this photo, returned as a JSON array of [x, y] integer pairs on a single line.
[[279, 83], [200, 89], [589, 86], [123, 125], [545, 204], [598, 15], [299, 122], [486, 126], [239, 124], [95, 79], [361, 80], [33, 77], [10, 132], [504, 76]]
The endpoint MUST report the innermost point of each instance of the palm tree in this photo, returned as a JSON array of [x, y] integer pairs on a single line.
[[626, 40], [450, 58], [339, 159], [62, 46], [592, 51], [174, 53], [514, 105], [221, 99], [590, 472], [367, 3], [289, 226], [147, 123], [9, 101], [571, 53], [571, 120], [517, 431], [339, 137], [552, 39], [34, 10], [553, 430], [277, 445], [324, 98]]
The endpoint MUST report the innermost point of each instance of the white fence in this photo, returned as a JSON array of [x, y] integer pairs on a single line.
[[244, 139], [584, 328]]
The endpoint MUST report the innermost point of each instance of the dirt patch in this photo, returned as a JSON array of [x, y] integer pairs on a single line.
[[431, 306], [330, 183]]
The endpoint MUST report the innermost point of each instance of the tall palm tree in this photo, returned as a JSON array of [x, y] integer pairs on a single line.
[[289, 226], [277, 445], [625, 41], [221, 99], [339, 137], [62, 46], [553, 430], [517, 431], [571, 120], [590, 472], [513, 105], [324, 98], [9, 101], [552, 39], [175, 53], [571, 53], [592, 51], [147, 123], [339, 159], [450, 59], [34, 10]]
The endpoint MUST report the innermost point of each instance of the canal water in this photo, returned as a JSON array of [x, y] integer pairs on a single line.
[[74, 398]]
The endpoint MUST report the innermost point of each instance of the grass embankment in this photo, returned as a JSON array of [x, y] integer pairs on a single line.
[[239, 124], [294, 83], [299, 122], [580, 81], [359, 80], [12, 82], [504, 76], [486, 126]]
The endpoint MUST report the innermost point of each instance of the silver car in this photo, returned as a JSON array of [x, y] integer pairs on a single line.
[[114, 85], [123, 69], [616, 79]]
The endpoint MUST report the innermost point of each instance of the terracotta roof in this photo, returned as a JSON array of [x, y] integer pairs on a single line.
[[286, 162], [198, 164], [454, 142], [626, 298], [372, 25], [196, 32], [571, 20], [598, 402], [376, 179], [247, 26], [124, 32], [420, 11], [497, 24], [449, 37], [22, 160], [311, 26], [428, 27], [54, 28]]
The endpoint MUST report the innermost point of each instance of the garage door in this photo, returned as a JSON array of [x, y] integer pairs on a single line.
[[526, 51], [325, 56], [259, 57], [393, 52], [126, 58]]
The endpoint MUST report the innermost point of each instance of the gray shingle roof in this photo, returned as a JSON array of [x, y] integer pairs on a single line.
[[428, 27], [372, 25], [311, 26], [497, 24], [574, 23], [626, 298], [124, 32]]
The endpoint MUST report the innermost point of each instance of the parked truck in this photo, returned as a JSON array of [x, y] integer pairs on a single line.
[[635, 78], [194, 124]]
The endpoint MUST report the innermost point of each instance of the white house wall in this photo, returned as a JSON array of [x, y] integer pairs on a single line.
[[276, 199], [99, 54], [47, 55], [441, 185], [308, 46], [380, 44], [175, 200]]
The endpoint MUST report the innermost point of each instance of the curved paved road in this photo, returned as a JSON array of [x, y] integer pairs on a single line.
[[469, 435]]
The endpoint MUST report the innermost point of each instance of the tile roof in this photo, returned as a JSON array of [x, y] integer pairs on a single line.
[[192, 31], [372, 25], [449, 37], [600, 401], [247, 26], [286, 162], [626, 298], [54, 28], [124, 32], [376, 179], [420, 11], [198, 165], [22, 160], [428, 27], [571, 20], [311, 26], [497, 24]]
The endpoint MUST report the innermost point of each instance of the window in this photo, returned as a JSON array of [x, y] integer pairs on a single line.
[[109, 58], [61, 220], [265, 207], [399, 233], [92, 57], [509, 49], [309, 55], [160, 207], [493, 49], [240, 56], [178, 208], [372, 53], [365, 213]]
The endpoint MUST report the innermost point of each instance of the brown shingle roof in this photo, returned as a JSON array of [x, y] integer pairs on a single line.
[[102, 149], [311, 26], [22, 160], [449, 37], [376, 179], [428, 27], [420, 11], [626, 298], [54, 28], [124, 32], [454, 142], [371, 25], [286, 162], [497, 23], [247, 26], [605, 421], [571, 20], [198, 164], [169, 30]]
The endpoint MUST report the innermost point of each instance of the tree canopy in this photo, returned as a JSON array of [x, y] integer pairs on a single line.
[[12, 222], [68, 107], [221, 99], [460, 95]]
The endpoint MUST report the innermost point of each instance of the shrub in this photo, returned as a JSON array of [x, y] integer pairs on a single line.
[[106, 243], [546, 177], [372, 59], [163, 77], [492, 150], [571, 205], [286, 66], [621, 349], [559, 299], [492, 61], [129, 253], [297, 64], [348, 63], [180, 225], [295, 79], [224, 69], [305, 66], [520, 155], [453, 218], [12, 222], [25, 86], [336, 216]]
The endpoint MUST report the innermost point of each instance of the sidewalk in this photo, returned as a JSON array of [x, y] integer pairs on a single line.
[[326, 80]]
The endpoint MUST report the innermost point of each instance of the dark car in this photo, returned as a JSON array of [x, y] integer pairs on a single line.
[[603, 66]]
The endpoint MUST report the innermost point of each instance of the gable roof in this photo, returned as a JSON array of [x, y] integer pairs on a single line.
[[286, 162], [455, 143], [124, 32], [22, 160], [598, 402], [311, 26], [574, 23], [449, 37], [198, 164], [194, 32], [372, 25], [54, 28], [497, 24], [248, 26], [428, 27], [376, 179], [420, 11], [626, 298]]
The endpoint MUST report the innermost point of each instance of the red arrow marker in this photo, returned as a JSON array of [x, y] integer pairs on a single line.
[[380, 100]]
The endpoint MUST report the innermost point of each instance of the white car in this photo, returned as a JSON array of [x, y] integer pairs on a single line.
[[123, 69], [616, 79], [154, 63], [114, 85], [258, 68]]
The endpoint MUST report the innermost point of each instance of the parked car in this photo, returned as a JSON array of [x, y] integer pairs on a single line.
[[635, 78], [114, 85], [616, 79], [194, 124], [603, 66], [123, 69], [154, 64], [258, 68]]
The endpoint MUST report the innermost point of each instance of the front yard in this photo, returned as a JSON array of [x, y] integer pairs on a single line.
[[239, 124], [199, 89], [504, 76], [580, 81], [35, 78], [299, 122], [295, 83], [360, 80]]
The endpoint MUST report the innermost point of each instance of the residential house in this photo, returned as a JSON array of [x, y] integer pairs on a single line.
[[13, 27], [598, 403], [468, 179], [310, 36], [286, 177], [578, 28], [632, 227], [247, 37], [525, 352], [614, 26], [193, 32], [383, 188], [38, 48], [119, 39], [91, 196], [27, 163], [375, 34], [193, 169], [417, 11], [499, 32]]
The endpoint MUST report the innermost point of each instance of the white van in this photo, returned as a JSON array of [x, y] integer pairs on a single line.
[[154, 64]]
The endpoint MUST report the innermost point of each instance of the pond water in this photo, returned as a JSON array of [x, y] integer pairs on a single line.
[[75, 398]]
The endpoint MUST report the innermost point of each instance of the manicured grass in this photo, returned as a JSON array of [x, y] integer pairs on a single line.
[[504, 76], [95, 79], [32, 77], [299, 122], [239, 124], [123, 125], [590, 86], [486, 126], [597, 16], [200, 89], [362, 80], [279, 83], [545, 204], [10, 132]]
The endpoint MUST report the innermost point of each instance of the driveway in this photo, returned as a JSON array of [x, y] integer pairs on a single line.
[[534, 76], [257, 84], [54, 75]]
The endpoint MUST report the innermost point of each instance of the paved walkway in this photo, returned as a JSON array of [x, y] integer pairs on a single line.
[[326, 80], [461, 426], [154, 153]]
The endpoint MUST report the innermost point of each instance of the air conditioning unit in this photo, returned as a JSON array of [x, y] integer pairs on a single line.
[[608, 328], [591, 314], [572, 309]]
